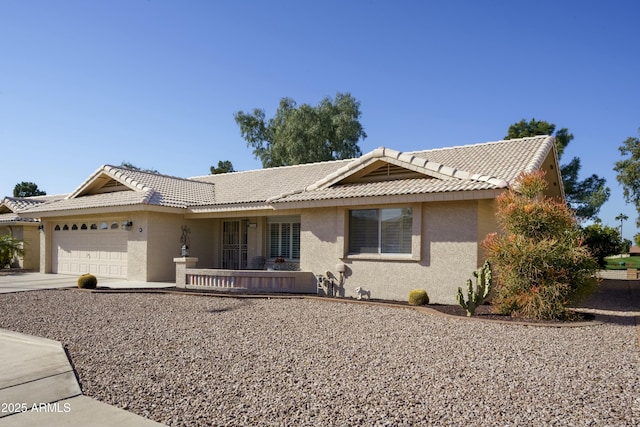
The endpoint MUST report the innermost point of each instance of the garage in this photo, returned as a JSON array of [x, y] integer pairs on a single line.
[[98, 248]]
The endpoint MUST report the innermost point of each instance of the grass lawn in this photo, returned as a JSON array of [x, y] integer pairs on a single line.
[[616, 263]]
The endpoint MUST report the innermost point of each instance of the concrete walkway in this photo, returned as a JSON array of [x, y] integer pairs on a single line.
[[38, 386]]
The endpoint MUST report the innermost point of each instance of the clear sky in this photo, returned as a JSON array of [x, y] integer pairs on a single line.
[[156, 82]]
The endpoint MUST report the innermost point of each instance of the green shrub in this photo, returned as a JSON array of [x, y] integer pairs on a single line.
[[541, 262], [87, 281], [418, 297], [10, 248]]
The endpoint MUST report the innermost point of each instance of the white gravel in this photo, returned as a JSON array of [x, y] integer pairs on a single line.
[[187, 360]]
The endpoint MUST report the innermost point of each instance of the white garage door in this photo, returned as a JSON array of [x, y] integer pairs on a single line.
[[96, 248]]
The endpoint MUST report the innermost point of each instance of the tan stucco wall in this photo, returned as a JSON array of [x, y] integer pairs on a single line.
[[31, 243], [449, 252], [161, 236], [31, 238], [486, 224]]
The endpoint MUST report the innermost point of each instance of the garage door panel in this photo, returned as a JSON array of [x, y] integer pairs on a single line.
[[100, 252]]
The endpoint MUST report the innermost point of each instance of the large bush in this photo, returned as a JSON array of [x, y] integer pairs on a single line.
[[603, 241], [541, 263]]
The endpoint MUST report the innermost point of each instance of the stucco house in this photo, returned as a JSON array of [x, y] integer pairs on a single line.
[[386, 222], [23, 228]]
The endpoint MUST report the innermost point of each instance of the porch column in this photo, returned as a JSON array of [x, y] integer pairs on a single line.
[[182, 264]]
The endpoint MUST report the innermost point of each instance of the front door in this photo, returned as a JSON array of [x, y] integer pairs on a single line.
[[234, 244]]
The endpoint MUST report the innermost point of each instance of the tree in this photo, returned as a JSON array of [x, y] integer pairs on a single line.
[[223, 167], [602, 241], [541, 263], [304, 134], [131, 166], [27, 189], [628, 170], [585, 197], [622, 218]]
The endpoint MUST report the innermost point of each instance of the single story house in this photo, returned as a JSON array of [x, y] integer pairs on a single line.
[[23, 228], [386, 222]]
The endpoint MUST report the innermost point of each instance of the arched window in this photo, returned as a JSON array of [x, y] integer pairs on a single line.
[[83, 227], [65, 227], [114, 225], [57, 227], [94, 226], [104, 226], [74, 227]]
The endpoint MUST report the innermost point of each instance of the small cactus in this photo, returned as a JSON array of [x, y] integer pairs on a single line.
[[418, 297], [483, 287], [87, 281]]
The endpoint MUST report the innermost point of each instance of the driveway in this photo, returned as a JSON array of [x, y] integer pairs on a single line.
[[27, 281]]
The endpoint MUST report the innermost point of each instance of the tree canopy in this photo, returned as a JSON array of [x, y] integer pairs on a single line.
[[628, 170], [128, 165], [585, 197], [224, 166], [27, 189], [304, 134]]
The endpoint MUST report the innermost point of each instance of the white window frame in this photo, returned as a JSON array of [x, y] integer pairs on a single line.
[[291, 249], [416, 236]]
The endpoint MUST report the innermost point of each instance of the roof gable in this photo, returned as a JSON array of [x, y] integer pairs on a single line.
[[486, 166], [385, 164], [116, 186]]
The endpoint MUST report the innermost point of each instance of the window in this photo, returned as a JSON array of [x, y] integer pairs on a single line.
[[380, 231], [284, 237]]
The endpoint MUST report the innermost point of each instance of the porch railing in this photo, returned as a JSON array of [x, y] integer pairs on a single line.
[[251, 280]]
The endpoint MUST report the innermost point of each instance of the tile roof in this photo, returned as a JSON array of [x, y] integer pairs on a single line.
[[503, 159], [263, 184], [6, 218], [486, 166], [132, 187], [10, 207], [492, 165]]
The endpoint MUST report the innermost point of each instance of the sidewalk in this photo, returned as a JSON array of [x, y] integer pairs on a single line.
[[38, 387]]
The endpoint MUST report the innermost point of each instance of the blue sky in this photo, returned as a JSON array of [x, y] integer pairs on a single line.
[[156, 82]]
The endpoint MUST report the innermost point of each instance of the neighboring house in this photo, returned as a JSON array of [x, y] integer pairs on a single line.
[[393, 221], [23, 228]]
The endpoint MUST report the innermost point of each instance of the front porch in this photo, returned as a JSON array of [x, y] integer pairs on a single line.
[[277, 281]]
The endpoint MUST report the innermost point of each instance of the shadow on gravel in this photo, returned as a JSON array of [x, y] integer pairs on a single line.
[[616, 301], [238, 303]]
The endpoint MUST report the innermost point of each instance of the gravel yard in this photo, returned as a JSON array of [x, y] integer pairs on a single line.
[[187, 360]]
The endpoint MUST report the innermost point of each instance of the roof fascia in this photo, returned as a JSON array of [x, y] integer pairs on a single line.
[[108, 210], [395, 199], [245, 207]]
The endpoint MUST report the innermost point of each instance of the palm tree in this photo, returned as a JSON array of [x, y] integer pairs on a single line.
[[10, 247], [622, 217]]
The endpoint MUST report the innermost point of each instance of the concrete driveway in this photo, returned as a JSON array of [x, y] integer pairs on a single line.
[[27, 281]]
